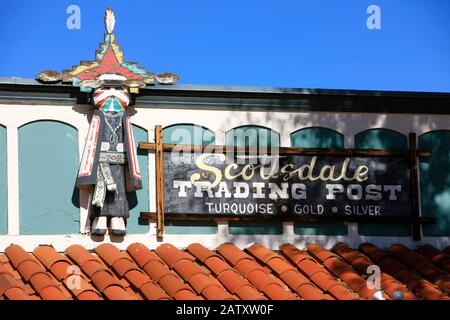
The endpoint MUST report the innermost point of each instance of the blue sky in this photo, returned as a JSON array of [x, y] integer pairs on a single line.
[[298, 43]]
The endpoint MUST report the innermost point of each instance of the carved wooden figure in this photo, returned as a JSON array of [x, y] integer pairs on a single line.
[[109, 164]]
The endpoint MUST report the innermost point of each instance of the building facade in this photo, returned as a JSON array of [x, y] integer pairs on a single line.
[[43, 129]]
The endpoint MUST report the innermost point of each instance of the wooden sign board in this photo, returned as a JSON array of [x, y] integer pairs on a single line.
[[306, 184], [287, 185]]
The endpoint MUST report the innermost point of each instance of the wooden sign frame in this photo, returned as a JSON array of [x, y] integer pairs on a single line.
[[159, 148]]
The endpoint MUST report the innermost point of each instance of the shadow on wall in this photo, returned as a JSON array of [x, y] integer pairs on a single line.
[[435, 182]]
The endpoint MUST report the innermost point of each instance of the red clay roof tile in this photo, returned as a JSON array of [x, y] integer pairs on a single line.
[[123, 266], [186, 295], [17, 255], [152, 291], [48, 256], [11, 288], [246, 266], [217, 265], [232, 253], [141, 254], [229, 273], [137, 278], [440, 258], [103, 279], [228, 277], [91, 267], [287, 272], [156, 270], [16, 294], [172, 284], [78, 286], [52, 293], [294, 254], [361, 263], [110, 254], [187, 269], [115, 292], [200, 281], [200, 252], [317, 273], [29, 268], [171, 255], [372, 251], [89, 295], [433, 273]]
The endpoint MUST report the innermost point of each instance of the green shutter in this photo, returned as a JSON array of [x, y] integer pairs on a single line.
[[3, 183], [196, 135], [382, 139], [48, 165], [138, 201], [435, 182], [316, 137], [253, 136]]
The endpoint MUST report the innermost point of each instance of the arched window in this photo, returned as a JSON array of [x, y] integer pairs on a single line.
[[3, 183], [435, 182], [382, 139], [187, 133], [253, 136], [138, 201], [318, 137], [48, 165]]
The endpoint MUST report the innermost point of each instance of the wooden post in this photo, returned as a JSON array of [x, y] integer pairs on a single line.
[[159, 164], [415, 210]]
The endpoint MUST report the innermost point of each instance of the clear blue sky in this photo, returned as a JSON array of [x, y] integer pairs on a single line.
[[298, 43]]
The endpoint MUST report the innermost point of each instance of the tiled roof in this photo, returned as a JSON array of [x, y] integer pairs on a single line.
[[227, 273]]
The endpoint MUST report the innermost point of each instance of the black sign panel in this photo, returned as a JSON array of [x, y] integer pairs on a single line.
[[287, 185]]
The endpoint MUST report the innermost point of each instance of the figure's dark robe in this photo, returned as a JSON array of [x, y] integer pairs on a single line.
[[87, 173]]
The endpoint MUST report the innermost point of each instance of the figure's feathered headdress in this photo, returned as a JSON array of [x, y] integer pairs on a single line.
[[109, 66]]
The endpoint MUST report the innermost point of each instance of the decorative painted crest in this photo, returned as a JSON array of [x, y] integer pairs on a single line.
[[109, 67]]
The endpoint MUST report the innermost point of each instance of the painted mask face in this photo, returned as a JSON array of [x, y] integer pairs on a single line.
[[111, 98]]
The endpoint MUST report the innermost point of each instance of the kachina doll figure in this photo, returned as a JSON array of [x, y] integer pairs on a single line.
[[109, 165], [109, 161]]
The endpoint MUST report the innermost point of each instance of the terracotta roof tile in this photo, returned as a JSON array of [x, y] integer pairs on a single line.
[[171, 255], [156, 270], [200, 252], [227, 276], [229, 273], [401, 272], [433, 273], [124, 265], [48, 256], [361, 263], [287, 272], [16, 293], [115, 292], [191, 272], [440, 258], [35, 274], [152, 291], [232, 253], [80, 255], [81, 289], [173, 285], [52, 293], [10, 287], [316, 273]]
